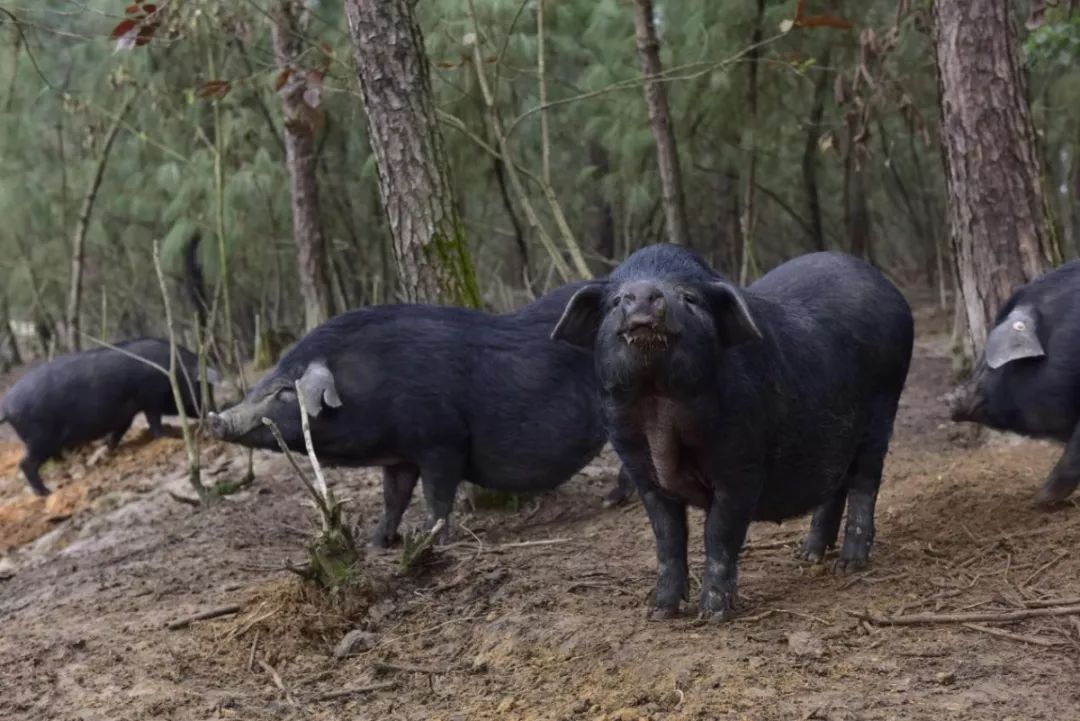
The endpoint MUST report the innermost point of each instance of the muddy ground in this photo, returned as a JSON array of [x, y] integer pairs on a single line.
[[538, 613]]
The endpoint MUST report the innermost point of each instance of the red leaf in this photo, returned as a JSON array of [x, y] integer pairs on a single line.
[[150, 7], [327, 49], [824, 21], [146, 33], [217, 89], [131, 9], [282, 78], [125, 27]]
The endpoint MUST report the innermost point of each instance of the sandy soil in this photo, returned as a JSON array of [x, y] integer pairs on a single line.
[[506, 627]]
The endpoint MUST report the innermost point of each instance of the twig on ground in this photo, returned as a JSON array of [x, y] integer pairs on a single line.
[[755, 617], [388, 667], [1048, 602], [185, 499], [922, 619], [343, 693], [277, 680], [251, 656], [204, 616], [1044, 568], [765, 545], [1034, 640], [507, 546]]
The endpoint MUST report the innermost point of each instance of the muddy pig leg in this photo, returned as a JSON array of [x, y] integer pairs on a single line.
[[824, 528]]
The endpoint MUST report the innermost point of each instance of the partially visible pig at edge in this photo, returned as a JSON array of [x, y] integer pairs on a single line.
[[1027, 379], [80, 397]]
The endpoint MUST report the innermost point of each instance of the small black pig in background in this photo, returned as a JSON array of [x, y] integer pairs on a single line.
[[752, 403], [1028, 378], [435, 394], [80, 397]]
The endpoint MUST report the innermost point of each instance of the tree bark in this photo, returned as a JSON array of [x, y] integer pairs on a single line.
[[600, 214], [747, 260], [78, 244], [648, 48], [432, 258], [997, 221], [810, 154], [290, 22]]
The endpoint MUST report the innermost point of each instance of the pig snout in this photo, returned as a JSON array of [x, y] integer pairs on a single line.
[[964, 402], [218, 426], [644, 312]]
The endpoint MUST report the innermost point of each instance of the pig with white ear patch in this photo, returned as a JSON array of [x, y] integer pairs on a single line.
[[436, 395], [1027, 379]]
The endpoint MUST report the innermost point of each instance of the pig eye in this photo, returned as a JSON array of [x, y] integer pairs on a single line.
[[690, 299]]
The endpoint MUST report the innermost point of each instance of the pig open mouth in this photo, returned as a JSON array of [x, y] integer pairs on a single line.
[[647, 338]]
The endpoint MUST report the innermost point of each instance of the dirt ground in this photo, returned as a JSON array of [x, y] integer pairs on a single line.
[[535, 614]]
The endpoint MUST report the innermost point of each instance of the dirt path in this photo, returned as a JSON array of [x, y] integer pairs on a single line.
[[540, 631]]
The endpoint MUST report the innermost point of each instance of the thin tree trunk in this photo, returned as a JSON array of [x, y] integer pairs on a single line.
[[414, 175], [290, 24], [1074, 183], [600, 215], [997, 220], [747, 262], [648, 48], [810, 155], [78, 244]]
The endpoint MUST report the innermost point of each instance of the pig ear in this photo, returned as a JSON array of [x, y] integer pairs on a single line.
[[733, 319], [581, 318], [1014, 338], [317, 388]]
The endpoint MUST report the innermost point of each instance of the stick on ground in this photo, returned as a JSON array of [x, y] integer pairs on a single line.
[[334, 695], [1034, 640], [204, 616], [923, 619]]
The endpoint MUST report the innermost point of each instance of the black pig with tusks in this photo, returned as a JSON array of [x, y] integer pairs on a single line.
[[1028, 378], [435, 394], [80, 397], [757, 403]]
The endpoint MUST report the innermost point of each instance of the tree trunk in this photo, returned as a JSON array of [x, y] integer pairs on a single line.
[[996, 214], [810, 154], [290, 24], [660, 120], [78, 244], [600, 214], [856, 212], [433, 260], [747, 260]]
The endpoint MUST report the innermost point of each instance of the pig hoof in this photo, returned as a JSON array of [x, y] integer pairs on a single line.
[[380, 540], [1053, 493], [812, 553], [845, 566], [717, 605], [665, 613], [616, 497]]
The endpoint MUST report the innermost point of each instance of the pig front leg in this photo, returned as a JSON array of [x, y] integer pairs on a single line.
[[399, 480], [440, 475], [726, 523], [1065, 476], [667, 516]]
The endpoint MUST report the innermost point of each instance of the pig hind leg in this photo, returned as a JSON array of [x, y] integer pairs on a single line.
[[399, 480], [154, 421], [863, 482], [824, 527], [1066, 474], [31, 464], [118, 435], [622, 492]]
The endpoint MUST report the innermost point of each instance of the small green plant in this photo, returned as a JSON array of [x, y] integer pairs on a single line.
[[418, 549]]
